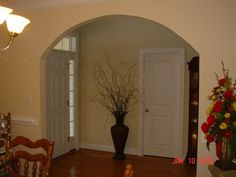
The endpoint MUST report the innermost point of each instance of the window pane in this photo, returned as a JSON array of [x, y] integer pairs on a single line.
[[73, 44], [58, 46], [66, 44], [71, 67], [71, 82], [71, 128], [71, 121], [71, 97], [71, 113]]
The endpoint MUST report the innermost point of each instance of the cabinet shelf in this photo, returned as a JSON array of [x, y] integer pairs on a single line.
[[194, 103], [194, 120], [193, 66]]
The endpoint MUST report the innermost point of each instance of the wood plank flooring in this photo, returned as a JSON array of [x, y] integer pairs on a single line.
[[90, 163]]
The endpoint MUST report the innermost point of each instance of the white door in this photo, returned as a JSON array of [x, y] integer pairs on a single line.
[[57, 96], [163, 100]]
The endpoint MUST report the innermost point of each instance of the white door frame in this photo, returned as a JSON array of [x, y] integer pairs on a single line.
[[141, 95]]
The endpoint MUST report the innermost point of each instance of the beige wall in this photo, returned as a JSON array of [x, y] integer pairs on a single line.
[[209, 26], [234, 24], [120, 38]]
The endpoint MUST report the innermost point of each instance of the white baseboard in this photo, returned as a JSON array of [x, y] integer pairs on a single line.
[[130, 151]]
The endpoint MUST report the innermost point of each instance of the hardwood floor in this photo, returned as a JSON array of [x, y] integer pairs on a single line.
[[89, 163]]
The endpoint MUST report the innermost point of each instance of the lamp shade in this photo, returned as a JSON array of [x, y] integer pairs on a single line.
[[4, 12], [16, 23]]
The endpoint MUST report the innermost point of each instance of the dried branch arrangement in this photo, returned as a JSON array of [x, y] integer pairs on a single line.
[[115, 84]]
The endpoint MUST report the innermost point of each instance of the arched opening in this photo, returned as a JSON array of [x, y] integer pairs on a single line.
[[120, 38]]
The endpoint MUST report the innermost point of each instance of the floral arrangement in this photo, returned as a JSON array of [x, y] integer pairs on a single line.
[[221, 114]]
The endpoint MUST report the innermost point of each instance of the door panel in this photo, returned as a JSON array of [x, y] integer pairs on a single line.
[[162, 97]]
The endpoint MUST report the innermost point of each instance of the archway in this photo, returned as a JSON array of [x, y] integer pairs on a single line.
[[89, 28]]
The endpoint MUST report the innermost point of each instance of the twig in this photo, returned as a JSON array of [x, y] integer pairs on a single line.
[[115, 84]]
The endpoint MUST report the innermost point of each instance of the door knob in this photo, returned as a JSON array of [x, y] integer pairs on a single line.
[[146, 110]]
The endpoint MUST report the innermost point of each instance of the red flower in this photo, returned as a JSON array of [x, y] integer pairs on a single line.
[[211, 120], [227, 134], [228, 94], [222, 82], [210, 138], [218, 106], [205, 127], [230, 109]]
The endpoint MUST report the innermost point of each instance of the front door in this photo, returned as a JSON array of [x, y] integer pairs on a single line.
[[57, 97]]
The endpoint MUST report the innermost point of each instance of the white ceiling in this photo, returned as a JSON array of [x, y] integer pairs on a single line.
[[39, 4]]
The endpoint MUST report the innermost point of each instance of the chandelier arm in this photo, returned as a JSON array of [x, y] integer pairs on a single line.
[[9, 43]]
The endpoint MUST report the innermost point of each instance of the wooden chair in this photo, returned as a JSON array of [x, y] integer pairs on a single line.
[[5, 134], [128, 171], [5, 124], [24, 163], [5, 131]]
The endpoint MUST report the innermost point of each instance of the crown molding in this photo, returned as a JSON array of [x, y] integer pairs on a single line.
[[43, 4]]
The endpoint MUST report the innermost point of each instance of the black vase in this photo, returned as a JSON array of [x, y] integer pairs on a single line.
[[119, 133]]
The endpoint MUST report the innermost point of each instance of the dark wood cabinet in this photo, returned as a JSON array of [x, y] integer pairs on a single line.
[[193, 66]]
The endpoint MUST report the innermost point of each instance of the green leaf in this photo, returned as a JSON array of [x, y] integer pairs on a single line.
[[227, 85], [219, 118]]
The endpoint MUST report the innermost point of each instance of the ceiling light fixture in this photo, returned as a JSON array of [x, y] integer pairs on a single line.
[[15, 24]]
